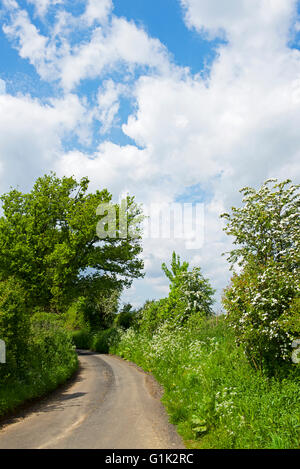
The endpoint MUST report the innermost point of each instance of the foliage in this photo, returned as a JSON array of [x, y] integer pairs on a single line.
[[261, 310], [51, 346], [103, 340], [74, 316], [261, 299], [94, 312], [50, 360], [14, 327], [99, 309], [212, 394], [266, 227], [152, 315], [48, 240], [190, 293], [126, 317], [82, 339], [176, 268]]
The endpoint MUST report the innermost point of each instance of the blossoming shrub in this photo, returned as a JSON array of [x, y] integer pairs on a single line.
[[212, 394], [262, 300], [260, 306]]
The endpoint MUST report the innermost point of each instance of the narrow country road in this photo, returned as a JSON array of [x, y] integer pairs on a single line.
[[111, 405]]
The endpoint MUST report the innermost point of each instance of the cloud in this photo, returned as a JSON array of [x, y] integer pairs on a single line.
[[31, 135], [42, 6], [97, 11], [117, 43], [123, 44], [237, 127], [252, 21], [31, 44], [108, 103]]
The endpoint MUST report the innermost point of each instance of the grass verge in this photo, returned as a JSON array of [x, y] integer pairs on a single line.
[[216, 399]]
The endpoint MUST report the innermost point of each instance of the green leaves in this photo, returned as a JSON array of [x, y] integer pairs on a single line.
[[262, 299], [199, 426], [48, 240], [190, 294], [267, 225]]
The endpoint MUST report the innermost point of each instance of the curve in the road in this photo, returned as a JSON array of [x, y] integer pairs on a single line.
[[111, 405]]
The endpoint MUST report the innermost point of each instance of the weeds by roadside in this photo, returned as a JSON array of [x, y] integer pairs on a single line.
[[212, 394]]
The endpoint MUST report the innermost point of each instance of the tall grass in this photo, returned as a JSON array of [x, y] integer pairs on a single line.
[[212, 394]]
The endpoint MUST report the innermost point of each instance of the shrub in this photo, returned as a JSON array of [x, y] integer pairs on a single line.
[[50, 360], [82, 339], [14, 327], [261, 300], [103, 340], [261, 309], [51, 347]]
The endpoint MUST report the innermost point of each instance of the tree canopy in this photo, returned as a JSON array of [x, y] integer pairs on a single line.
[[48, 241]]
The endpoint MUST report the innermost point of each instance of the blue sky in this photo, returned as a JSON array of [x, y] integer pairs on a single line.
[[174, 101]]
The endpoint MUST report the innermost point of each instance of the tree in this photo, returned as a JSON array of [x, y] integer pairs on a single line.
[[266, 227], [261, 299], [99, 309], [48, 241], [190, 294], [126, 317], [176, 267]]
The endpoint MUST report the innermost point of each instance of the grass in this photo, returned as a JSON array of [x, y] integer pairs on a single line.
[[18, 391], [216, 399]]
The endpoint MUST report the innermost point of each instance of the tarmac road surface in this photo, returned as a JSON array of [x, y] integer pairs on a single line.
[[111, 404]]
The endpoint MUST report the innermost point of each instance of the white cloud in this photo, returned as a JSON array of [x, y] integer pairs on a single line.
[[118, 43], [242, 21], [122, 44], [236, 128], [42, 6], [31, 134], [31, 44], [97, 11], [108, 103]]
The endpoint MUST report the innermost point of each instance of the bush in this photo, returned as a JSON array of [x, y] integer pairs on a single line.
[[51, 346], [262, 309], [50, 360], [262, 300], [103, 340], [14, 328], [82, 339]]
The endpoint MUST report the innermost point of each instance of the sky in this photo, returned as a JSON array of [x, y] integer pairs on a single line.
[[172, 101]]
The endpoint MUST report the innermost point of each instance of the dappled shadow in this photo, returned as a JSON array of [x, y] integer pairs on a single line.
[[72, 396], [60, 402], [87, 352]]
